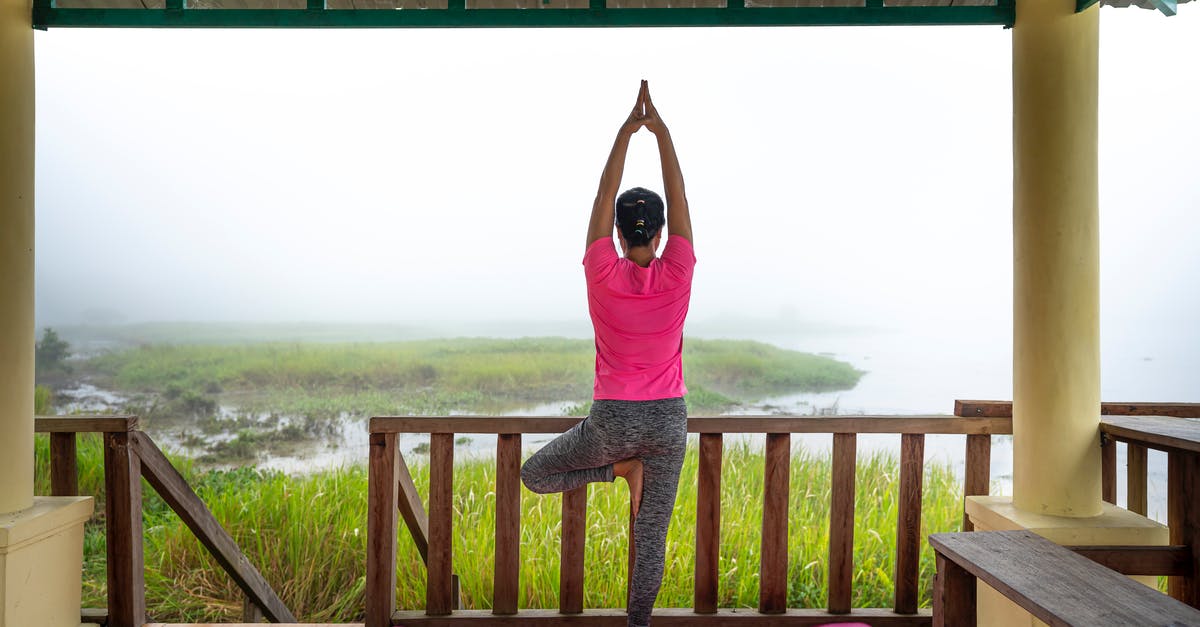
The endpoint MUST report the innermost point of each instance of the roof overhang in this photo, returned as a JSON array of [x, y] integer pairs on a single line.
[[513, 13]]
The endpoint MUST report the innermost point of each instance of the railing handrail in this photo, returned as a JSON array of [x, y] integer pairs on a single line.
[[902, 424], [1003, 409]]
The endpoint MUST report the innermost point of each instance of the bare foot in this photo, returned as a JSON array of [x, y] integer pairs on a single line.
[[631, 470]]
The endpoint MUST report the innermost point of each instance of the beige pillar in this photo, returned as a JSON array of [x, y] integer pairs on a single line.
[[1056, 303], [16, 255]]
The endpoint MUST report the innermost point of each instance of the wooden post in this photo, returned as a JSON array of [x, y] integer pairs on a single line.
[[123, 511], [1108, 470], [1183, 519], [251, 613], [381, 529], [570, 568], [439, 593], [772, 593], [64, 470], [908, 524], [708, 523], [841, 523], [1136, 478], [953, 595], [977, 479], [508, 523]]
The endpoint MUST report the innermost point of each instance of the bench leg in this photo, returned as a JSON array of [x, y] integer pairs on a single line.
[[953, 595]]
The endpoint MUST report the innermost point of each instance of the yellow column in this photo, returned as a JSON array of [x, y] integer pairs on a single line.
[[1056, 260], [16, 255]]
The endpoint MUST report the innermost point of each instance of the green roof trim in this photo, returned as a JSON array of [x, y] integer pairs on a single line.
[[45, 15]]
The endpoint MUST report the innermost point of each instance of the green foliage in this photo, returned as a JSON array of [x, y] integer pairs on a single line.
[[307, 535], [43, 400], [51, 353], [438, 376]]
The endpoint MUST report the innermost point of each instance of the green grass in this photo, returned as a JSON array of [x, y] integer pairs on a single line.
[[307, 535], [437, 376]]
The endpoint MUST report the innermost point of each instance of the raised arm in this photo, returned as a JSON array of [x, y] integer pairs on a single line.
[[679, 219], [601, 223]]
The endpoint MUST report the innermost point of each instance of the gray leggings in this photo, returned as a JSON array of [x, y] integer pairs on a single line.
[[652, 431]]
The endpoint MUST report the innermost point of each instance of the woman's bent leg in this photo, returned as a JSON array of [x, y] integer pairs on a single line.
[[577, 457]]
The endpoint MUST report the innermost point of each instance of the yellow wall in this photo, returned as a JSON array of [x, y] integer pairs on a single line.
[[1056, 322], [16, 255]]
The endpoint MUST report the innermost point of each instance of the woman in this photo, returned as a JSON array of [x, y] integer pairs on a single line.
[[637, 427]]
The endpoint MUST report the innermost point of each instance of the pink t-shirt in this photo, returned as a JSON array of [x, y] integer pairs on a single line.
[[638, 316]]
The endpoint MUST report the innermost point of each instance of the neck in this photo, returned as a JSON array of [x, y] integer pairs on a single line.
[[641, 255]]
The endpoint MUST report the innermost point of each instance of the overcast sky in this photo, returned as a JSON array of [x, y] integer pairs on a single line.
[[843, 175]]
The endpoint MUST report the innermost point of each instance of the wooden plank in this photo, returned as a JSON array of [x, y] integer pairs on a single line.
[[85, 424], [708, 522], [1136, 478], [1108, 470], [439, 593], [908, 523], [1003, 409], [508, 523], [703, 424], [412, 510], [841, 523], [1183, 520], [667, 617], [1140, 560], [383, 460], [64, 465], [123, 518], [1154, 431], [953, 595], [978, 477], [772, 580], [1177, 410], [1055, 584], [176, 492], [570, 567], [95, 615]]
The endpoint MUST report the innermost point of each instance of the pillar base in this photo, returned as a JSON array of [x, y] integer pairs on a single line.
[[1114, 525], [41, 550]]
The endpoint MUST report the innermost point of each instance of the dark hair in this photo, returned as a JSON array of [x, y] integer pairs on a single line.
[[639, 216]]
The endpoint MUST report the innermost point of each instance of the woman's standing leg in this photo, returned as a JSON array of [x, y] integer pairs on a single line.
[[660, 482]]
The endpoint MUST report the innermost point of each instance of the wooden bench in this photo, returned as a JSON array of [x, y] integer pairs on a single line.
[[1051, 582]]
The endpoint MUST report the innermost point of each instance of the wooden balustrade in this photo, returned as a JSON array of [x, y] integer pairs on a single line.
[[1168, 427], [391, 488], [129, 456]]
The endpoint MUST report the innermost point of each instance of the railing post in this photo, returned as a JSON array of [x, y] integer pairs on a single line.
[[708, 522], [439, 593], [382, 484], [508, 523], [1108, 469], [1135, 457], [1183, 520], [978, 474], [64, 465], [772, 594], [841, 523], [908, 523], [570, 568], [123, 513]]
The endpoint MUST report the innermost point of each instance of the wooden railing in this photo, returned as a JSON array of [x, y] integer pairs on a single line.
[[1143, 426], [391, 491], [130, 455]]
